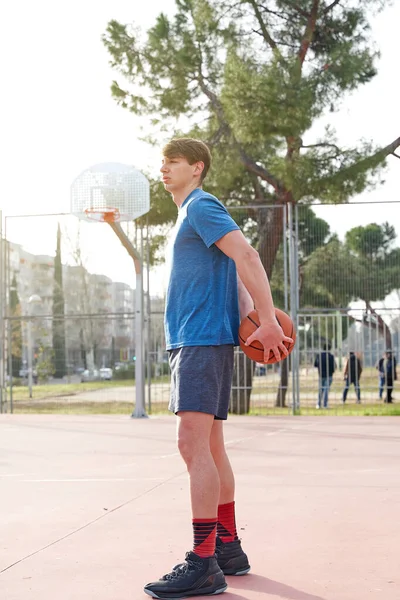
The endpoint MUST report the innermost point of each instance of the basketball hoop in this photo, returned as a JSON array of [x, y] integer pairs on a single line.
[[111, 193], [105, 215]]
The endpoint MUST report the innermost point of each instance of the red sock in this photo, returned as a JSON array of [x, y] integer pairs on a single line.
[[226, 527], [204, 533]]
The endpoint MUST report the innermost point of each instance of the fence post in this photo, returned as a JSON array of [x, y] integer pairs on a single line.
[[2, 308], [339, 338], [294, 292]]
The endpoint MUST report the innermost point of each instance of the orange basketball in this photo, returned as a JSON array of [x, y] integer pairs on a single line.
[[256, 350]]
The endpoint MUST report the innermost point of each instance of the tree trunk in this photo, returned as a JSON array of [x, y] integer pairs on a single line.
[[280, 401], [83, 349], [270, 227]]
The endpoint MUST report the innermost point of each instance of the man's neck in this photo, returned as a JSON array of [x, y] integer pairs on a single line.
[[180, 196]]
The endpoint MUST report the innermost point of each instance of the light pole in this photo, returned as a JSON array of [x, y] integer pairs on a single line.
[[32, 300]]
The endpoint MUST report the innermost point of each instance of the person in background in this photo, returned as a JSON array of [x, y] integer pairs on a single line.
[[387, 366], [352, 374], [325, 363], [381, 372]]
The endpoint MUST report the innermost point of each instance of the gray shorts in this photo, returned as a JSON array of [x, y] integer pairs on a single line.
[[201, 379]]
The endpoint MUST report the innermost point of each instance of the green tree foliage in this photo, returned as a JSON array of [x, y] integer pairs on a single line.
[[366, 266], [16, 328], [377, 268], [252, 78], [377, 262], [45, 359], [313, 232], [328, 276], [371, 242], [58, 313]]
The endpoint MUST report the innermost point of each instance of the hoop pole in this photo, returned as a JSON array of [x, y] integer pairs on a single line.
[[139, 410], [125, 241]]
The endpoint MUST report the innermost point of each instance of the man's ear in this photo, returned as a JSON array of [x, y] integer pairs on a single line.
[[199, 167]]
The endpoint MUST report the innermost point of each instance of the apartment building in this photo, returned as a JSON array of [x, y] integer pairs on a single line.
[[98, 312]]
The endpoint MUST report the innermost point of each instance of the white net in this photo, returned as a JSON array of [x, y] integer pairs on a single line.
[[111, 185]]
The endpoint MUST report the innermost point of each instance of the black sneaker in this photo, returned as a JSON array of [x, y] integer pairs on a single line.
[[195, 577], [231, 558]]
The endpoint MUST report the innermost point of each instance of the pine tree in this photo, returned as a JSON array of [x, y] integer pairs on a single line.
[[253, 80], [16, 328], [58, 313]]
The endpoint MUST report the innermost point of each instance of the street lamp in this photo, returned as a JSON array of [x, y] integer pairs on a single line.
[[32, 301]]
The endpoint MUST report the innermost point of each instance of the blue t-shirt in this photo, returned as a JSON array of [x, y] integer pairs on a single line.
[[202, 307]]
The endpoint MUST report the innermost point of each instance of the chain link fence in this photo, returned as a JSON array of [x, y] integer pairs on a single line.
[[335, 269]]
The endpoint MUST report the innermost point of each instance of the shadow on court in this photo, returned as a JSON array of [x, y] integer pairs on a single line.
[[95, 507], [268, 587]]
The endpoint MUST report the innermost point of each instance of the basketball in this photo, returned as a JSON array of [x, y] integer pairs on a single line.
[[256, 350]]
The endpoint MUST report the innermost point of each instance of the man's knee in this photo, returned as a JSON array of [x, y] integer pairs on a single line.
[[185, 443], [193, 435]]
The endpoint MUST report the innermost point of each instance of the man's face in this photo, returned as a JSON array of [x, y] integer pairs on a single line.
[[177, 174]]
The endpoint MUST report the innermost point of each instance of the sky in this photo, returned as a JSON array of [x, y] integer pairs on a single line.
[[58, 118]]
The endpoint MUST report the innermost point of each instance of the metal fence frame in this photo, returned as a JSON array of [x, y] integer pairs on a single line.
[[298, 314]]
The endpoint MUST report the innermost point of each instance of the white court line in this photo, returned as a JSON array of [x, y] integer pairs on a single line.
[[106, 514], [166, 455], [89, 480], [252, 437], [228, 443], [162, 456]]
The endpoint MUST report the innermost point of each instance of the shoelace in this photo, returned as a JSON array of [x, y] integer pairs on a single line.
[[180, 570]]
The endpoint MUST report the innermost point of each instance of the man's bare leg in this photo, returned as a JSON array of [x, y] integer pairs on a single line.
[[221, 460], [230, 556], [194, 431], [200, 572]]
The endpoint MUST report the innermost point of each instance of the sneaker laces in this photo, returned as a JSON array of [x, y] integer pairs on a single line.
[[180, 570]]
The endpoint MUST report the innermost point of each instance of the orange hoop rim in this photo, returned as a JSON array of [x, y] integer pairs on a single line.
[[103, 215]]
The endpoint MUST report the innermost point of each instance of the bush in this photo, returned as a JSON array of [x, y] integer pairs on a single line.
[[128, 372], [124, 373]]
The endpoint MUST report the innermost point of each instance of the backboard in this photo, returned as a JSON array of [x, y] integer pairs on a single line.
[[110, 191]]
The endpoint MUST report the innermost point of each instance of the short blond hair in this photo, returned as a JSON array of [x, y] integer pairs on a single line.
[[191, 149]]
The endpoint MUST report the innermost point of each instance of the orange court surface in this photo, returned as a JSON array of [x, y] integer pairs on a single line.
[[95, 507]]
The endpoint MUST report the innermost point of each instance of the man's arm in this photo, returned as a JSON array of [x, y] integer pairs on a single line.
[[246, 304], [254, 278]]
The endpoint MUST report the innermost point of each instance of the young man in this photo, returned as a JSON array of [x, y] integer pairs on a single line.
[[215, 279]]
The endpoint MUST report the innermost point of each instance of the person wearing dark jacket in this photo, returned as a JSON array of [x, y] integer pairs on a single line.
[[380, 367], [352, 374], [387, 367], [325, 363]]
